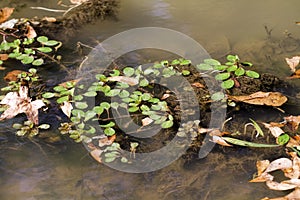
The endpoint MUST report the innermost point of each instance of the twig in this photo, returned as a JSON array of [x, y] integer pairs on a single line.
[[48, 9]]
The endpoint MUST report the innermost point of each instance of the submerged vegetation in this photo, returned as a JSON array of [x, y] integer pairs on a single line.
[[101, 112]]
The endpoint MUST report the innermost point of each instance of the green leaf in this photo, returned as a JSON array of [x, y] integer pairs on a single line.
[[109, 160], [247, 64], [122, 85], [246, 143], [17, 126], [105, 105], [89, 115], [227, 84], [113, 92], [27, 59], [175, 62], [185, 62], [44, 126], [109, 131], [154, 100], [48, 95], [50, 43], [222, 76], [29, 51], [283, 139], [133, 109], [257, 127], [240, 71], [124, 94], [205, 67], [38, 62], [252, 74], [146, 96], [145, 108], [62, 99], [232, 68], [98, 109], [109, 125], [44, 49], [211, 61], [42, 39], [78, 97], [128, 71], [115, 73], [78, 113], [92, 130], [167, 124], [217, 96], [144, 82], [59, 88], [164, 62], [114, 105], [232, 58], [32, 70], [185, 72], [81, 105], [220, 67], [124, 160], [90, 94], [14, 55]]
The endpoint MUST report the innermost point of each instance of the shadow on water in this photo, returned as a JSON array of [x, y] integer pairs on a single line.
[[39, 171]]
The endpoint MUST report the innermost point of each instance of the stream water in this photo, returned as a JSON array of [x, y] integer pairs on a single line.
[[34, 171]]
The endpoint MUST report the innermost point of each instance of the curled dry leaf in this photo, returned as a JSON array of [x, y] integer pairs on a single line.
[[198, 85], [19, 102], [67, 108], [293, 62], [13, 75], [220, 141], [273, 185], [106, 141], [275, 130], [261, 98], [3, 56], [49, 19], [146, 121], [264, 177], [165, 96], [279, 164], [261, 166], [124, 79], [96, 154], [5, 13], [30, 32], [293, 121]]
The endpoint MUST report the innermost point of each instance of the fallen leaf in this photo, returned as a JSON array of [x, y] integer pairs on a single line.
[[67, 108], [78, 2], [19, 102], [275, 130], [49, 19], [124, 79], [261, 98], [293, 142], [220, 141], [106, 141], [279, 164], [2, 68], [264, 177], [293, 62], [30, 32], [96, 154], [5, 13], [3, 56], [273, 185], [146, 121], [261, 166], [198, 85], [294, 172], [8, 24], [293, 121], [75, 81], [13, 75], [165, 96]]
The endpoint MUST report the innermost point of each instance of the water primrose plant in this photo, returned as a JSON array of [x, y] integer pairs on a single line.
[[229, 71], [31, 51]]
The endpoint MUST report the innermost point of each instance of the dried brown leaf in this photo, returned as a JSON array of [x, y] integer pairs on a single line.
[[3, 56], [30, 32], [293, 62], [275, 130], [5, 13], [67, 108], [12, 75], [261, 166], [293, 121], [146, 121], [280, 186], [124, 79], [106, 141], [264, 177], [49, 19], [280, 163], [262, 98], [198, 85], [220, 141], [96, 154]]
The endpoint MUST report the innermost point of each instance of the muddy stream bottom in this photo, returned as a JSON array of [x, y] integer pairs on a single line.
[[40, 172]]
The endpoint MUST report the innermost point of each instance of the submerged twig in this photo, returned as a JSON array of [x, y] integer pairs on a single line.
[[48, 9]]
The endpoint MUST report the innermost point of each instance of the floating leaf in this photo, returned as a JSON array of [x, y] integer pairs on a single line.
[[124, 94], [240, 71], [48, 95], [105, 105], [44, 126], [62, 99], [124, 79], [205, 67], [45, 49], [90, 94], [51, 43], [113, 92], [109, 131], [217, 96], [283, 139], [128, 71], [38, 62], [293, 62], [232, 68], [27, 59], [133, 109], [67, 108], [42, 39], [222, 76], [186, 72], [211, 61], [227, 84], [81, 105], [89, 115], [252, 74], [257, 127], [167, 124], [232, 58], [247, 64]]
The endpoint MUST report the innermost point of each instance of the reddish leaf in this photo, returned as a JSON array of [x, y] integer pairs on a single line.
[[5, 13]]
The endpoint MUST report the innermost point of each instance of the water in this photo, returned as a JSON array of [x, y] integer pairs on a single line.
[[34, 171]]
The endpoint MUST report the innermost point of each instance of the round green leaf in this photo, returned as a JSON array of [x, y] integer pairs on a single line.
[[232, 58], [27, 59], [38, 62], [78, 113], [252, 74], [124, 94], [113, 92], [211, 61], [232, 68], [175, 62], [186, 72], [146, 96], [90, 94], [51, 43], [48, 95], [105, 105], [115, 73], [144, 82], [59, 88], [78, 97], [227, 84], [204, 66], [44, 49], [17, 126], [109, 131], [42, 39], [62, 99], [185, 62], [167, 124], [222, 76], [89, 115], [133, 109], [44, 126], [220, 67], [81, 105], [283, 139], [240, 71], [128, 71], [109, 125], [217, 96], [98, 109]]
